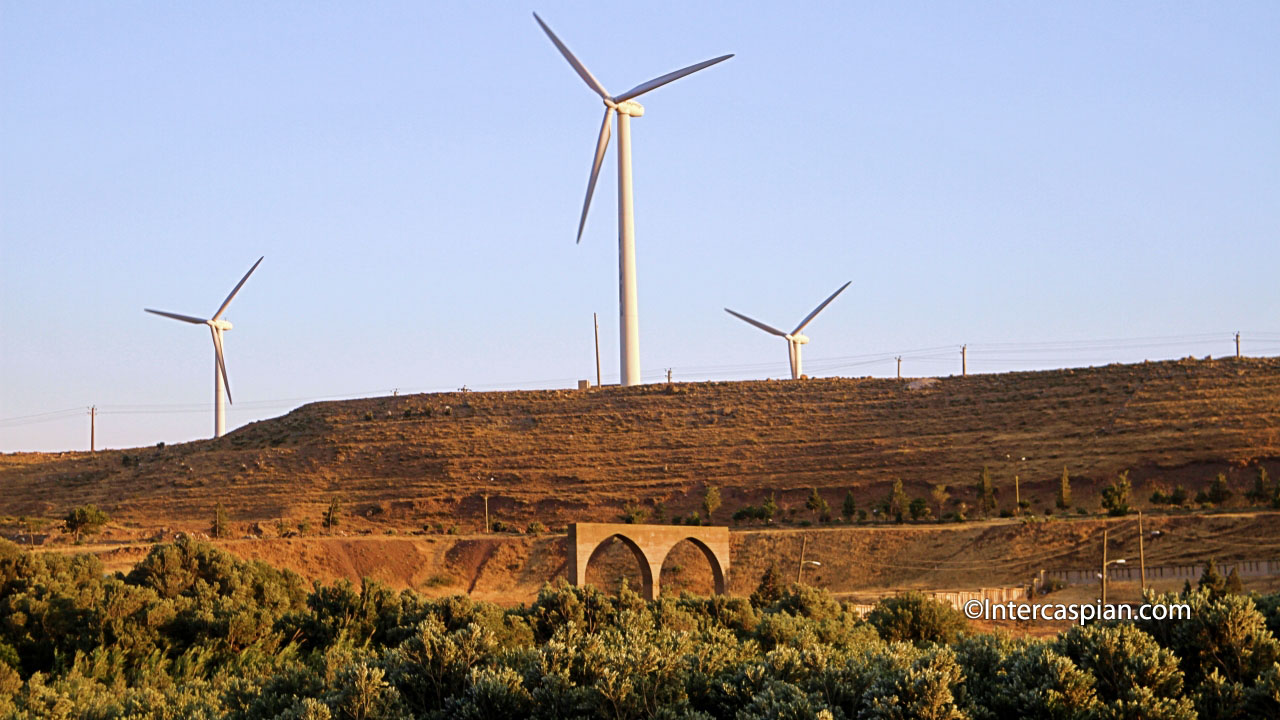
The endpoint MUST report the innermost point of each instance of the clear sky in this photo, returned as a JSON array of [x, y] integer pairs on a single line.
[[1053, 184]]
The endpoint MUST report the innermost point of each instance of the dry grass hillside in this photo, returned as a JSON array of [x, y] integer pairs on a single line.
[[558, 456], [856, 562]]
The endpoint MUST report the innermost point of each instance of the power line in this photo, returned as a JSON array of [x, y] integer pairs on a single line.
[[1060, 351]]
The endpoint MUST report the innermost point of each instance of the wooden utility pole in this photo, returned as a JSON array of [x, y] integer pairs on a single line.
[[1017, 495], [1104, 567], [1142, 557], [1237, 344], [486, 512], [668, 376], [804, 542], [899, 367], [93, 428], [964, 360], [596, 321]]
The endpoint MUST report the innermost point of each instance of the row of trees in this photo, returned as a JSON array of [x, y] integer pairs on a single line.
[[194, 633], [89, 520]]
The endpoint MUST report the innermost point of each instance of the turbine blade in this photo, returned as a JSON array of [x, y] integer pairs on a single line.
[[222, 363], [643, 88], [818, 309], [582, 70], [235, 290], [757, 323], [601, 145], [176, 316]]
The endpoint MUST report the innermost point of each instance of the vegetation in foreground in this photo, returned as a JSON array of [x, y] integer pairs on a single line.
[[192, 632]]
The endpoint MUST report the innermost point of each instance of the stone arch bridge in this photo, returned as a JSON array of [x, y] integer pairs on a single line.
[[650, 545]]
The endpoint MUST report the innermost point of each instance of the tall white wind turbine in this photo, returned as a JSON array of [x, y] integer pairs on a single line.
[[625, 107], [217, 326], [794, 338]]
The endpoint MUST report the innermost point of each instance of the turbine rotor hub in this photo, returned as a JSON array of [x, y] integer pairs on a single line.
[[629, 107]]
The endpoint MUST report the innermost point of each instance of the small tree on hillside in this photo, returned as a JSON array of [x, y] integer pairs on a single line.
[[986, 493], [919, 509], [1212, 580], [1115, 499], [1219, 492], [769, 508], [331, 515], [849, 507], [1064, 490], [898, 502], [770, 588], [85, 520], [711, 501], [940, 497], [634, 514], [1234, 585], [1262, 491], [220, 527], [816, 504]]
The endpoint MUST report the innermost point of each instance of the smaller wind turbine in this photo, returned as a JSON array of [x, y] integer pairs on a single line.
[[794, 338], [217, 326]]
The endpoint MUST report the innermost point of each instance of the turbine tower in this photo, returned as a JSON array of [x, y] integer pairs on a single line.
[[217, 326], [625, 107], [794, 338]]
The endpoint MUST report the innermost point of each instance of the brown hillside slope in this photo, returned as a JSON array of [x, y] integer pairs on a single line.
[[864, 561], [559, 456]]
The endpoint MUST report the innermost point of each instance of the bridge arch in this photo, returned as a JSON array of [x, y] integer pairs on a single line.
[[650, 544], [647, 577]]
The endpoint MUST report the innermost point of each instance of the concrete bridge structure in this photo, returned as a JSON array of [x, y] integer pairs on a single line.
[[650, 545]]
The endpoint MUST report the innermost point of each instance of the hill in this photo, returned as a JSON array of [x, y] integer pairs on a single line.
[[559, 456]]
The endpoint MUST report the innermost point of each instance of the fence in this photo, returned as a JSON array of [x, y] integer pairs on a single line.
[[957, 598], [1122, 573]]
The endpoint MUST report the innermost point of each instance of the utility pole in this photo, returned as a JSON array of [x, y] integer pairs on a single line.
[[964, 360], [899, 358], [1017, 495], [596, 320], [804, 542], [668, 376], [1142, 556], [1237, 344], [486, 505], [1104, 567], [93, 428]]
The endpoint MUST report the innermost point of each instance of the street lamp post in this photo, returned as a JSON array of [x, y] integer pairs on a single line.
[[486, 506], [804, 544], [1105, 563], [1017, 490]]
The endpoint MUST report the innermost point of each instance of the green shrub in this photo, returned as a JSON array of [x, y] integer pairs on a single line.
[[912, 617], [1115, 498], [193, 632]]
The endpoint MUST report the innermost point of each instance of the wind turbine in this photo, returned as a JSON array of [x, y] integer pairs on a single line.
[[625, 107], [794, 338], [217, 326]]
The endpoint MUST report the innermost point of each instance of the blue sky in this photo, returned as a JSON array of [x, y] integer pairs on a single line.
[[1051, 183]]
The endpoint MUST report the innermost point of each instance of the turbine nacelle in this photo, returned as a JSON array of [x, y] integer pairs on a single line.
[[219, 324], [799, 339], [627, 107]]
